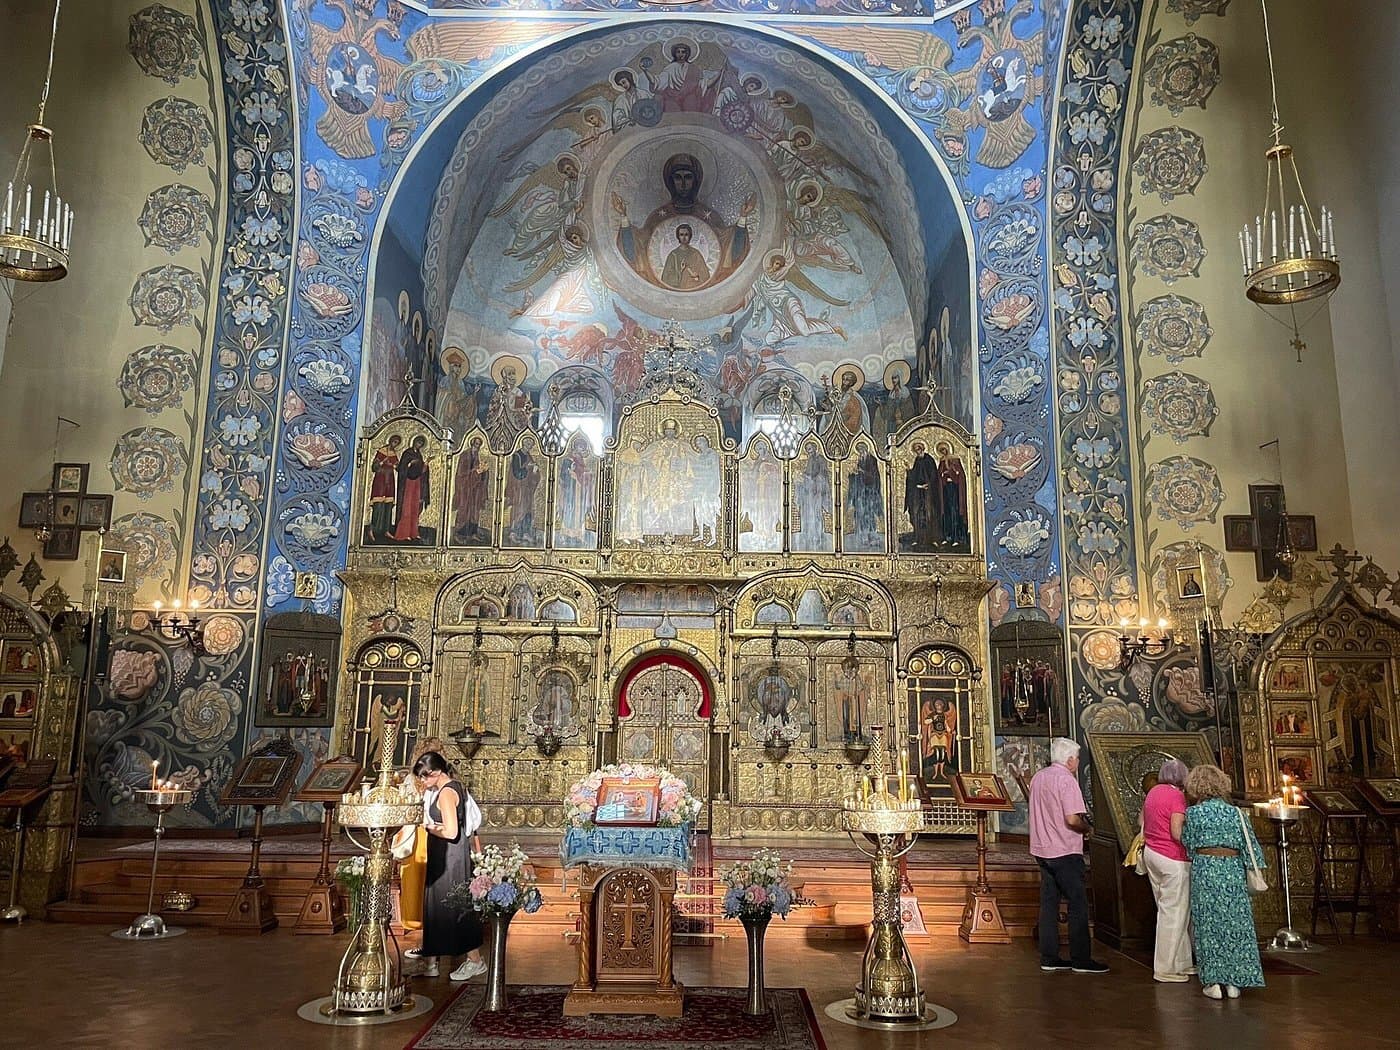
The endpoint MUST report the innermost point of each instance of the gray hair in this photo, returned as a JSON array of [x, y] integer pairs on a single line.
[[1062, 749], [1173, 772]]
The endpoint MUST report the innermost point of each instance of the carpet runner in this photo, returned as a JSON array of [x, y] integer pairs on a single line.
[[713, 1020]]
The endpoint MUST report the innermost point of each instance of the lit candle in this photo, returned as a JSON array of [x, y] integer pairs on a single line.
[[154, 766], [156, 605]]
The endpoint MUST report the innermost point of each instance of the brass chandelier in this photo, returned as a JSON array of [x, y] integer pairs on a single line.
[[1289, 252], [37, 225]]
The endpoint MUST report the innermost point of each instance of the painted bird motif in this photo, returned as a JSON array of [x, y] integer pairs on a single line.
[[1001, 84], [357, 81]]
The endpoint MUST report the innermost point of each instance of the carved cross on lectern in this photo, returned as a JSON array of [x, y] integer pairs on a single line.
[[627, 907], [1262, 531]]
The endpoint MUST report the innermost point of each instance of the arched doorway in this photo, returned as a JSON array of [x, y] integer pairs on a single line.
[[664, 706]]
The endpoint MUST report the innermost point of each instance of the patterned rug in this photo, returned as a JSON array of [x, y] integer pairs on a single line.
[[713, 1020]]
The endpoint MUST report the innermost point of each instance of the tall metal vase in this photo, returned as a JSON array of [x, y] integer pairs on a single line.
[[497, 930], [755, 927]]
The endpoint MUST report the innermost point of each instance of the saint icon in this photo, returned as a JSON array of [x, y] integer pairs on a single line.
[[684, 244]]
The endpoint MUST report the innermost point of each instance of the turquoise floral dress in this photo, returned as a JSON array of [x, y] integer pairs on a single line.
[[1227, 948]]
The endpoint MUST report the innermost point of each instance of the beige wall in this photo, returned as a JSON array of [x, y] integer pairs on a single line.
[[1334, 412], [68, 341]]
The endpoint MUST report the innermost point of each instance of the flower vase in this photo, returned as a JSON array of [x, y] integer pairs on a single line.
[[755, 926], [497, 928]]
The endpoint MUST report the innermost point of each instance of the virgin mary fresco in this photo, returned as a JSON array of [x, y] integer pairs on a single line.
[[684, 244]]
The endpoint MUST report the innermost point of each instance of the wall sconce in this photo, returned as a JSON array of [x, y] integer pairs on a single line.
[[1150, 641], [179, 624]]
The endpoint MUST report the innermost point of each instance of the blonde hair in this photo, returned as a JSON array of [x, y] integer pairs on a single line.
[[1206, 781]]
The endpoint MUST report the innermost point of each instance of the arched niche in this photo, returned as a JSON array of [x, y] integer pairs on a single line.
[[1329, 698], [811, 182]]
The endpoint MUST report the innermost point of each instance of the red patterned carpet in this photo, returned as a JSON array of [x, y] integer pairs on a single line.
[[713, 1020]]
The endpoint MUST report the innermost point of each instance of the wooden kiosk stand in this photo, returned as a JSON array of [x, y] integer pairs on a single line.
[[323, 910], [982, 793], [264, 778]]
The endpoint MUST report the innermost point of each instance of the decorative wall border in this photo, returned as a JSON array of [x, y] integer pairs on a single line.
[[247, 351]]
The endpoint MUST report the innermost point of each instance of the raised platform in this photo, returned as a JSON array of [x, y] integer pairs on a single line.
[[110, 885]]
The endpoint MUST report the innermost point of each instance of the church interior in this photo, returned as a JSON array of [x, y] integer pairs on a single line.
[[736, 436]]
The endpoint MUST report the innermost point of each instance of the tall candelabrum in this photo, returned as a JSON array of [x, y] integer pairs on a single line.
[[884, 826], [370, 979], [160, 799]]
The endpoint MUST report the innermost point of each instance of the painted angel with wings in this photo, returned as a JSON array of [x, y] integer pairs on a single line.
[[578, 288], [587, 126], [816, 228], [550, 197], [776, 303], [356, 80]]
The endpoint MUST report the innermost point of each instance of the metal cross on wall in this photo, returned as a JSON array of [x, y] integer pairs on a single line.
[[1270, 531]]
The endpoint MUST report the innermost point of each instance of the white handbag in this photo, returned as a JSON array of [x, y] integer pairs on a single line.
[[1254, 874]]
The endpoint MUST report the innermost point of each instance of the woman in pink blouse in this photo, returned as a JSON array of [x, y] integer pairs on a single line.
[[1169, 871]]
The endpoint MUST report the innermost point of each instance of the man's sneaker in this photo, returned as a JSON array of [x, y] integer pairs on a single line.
[[467, 971], [1090, 967], [1057, 966], [413, 953]]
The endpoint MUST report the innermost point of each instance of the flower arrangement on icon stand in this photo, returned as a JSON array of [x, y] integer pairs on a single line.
[[758, 888], [677, 806]]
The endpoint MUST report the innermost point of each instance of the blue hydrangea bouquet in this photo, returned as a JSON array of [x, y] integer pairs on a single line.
[[758, 887], [502, 883]]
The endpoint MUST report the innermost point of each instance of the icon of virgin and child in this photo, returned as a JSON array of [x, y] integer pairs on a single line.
[[684, 244]]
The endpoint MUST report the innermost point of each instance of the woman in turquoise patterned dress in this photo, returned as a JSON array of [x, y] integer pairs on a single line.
[[1227, 948]]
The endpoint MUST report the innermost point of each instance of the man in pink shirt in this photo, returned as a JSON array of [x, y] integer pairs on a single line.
[[1058, 826]]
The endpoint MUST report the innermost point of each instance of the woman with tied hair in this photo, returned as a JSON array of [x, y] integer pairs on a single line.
[[1220, 842], [453, 818], [1169, 872]]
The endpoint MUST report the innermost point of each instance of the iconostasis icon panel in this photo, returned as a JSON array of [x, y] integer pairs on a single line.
[[811, 512], [476, 474], [577, 491], [863, 474], [760, 498], [524, 495], [405, 481]]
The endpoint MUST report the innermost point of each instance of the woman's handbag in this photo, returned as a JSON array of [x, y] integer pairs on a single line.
[[1254, 874], [401, 848], [1134, 858]]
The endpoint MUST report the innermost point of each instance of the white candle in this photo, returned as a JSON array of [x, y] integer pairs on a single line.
[[57, 238], [1244, 255], [26, 210], [10, 207], [1292, 217], [44, 222], [1258, 240], [1307, 238], [68, 230], [1273, 239]]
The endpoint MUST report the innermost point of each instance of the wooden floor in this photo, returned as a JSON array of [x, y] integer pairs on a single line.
[[74, 986]]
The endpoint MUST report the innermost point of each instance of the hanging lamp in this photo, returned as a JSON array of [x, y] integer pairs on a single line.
[[37, 225]]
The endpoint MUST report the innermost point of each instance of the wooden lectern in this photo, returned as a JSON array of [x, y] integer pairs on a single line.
[[323, 910], [624, 946], [264, 778], [982, 793]]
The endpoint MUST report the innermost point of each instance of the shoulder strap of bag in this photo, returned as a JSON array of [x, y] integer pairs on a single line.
[[1248, 839]]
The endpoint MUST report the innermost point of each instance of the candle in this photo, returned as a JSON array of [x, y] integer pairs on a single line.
[[1244, 255], [10, 207], [1273, 223], [154, 766], [44, 222], [1292, 218], [1258, 240]]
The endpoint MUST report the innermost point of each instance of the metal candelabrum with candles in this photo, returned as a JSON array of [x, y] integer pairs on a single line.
[[884, 825], [370, 979], [160, 799]]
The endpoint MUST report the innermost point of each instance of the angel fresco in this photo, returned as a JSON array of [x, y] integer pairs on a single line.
[[552, 196], [779, 306]]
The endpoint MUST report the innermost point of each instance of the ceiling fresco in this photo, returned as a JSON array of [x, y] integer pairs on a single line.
[[691, 173]]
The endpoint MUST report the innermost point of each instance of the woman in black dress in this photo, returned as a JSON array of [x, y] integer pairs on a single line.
[[453, 818]]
